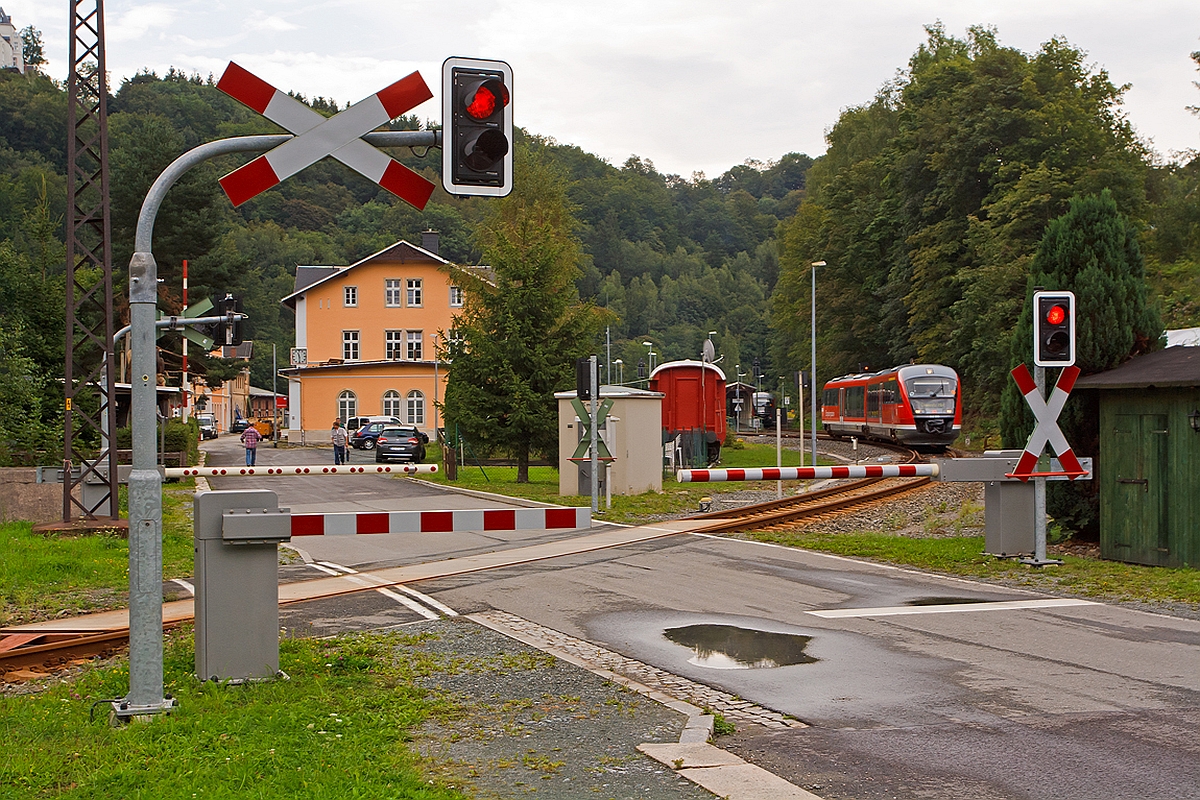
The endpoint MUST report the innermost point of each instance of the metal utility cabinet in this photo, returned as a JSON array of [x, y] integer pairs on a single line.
[[237, 536]]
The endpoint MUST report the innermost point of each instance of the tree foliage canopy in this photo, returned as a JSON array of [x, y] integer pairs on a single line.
[[520, 333]]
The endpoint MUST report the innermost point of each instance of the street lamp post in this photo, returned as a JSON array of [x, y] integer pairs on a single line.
[[737, 406], [813, 362], [620, 371], [651, 354]]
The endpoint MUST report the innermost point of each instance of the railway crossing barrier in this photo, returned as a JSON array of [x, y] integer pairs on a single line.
[[807, 473], [1009, 505], [237, 536], [310, 470]]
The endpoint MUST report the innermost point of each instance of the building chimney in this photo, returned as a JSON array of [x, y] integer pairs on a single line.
[[429, 241]]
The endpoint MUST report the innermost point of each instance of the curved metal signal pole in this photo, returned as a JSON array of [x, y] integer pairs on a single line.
[[145, 481]]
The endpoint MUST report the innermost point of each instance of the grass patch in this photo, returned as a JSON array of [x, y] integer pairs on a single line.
[[963, 556], [337, 729], [43, 576]]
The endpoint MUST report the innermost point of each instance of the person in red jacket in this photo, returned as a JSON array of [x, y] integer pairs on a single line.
[[250, 438]]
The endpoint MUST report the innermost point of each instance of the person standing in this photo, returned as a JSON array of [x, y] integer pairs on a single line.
[[250, 439], [341, 440]]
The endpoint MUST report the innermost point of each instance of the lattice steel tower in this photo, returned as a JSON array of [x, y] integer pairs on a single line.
[[90, 412]]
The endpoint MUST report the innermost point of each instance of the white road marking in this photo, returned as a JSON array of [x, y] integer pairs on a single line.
[[331, 568], [413, 604], [191, 589], [949, 608]]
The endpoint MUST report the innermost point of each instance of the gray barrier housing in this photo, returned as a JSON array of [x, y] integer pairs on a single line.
[[237, 536]]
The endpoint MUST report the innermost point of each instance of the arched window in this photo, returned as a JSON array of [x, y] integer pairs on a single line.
[[416, 408], [347, 405], [391, 404]]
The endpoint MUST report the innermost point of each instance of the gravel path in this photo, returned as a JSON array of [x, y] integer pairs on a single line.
[[529, 724]]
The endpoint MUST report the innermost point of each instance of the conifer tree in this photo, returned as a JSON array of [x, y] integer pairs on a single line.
[[1091, 250], [519, 335]]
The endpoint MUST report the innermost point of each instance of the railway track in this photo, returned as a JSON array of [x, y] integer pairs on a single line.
[[810, 507]]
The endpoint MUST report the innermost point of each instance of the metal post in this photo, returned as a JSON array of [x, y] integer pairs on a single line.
[[594, 407], [1039, 487], [274, 396], [813, 359], [800, 412], [779, 448], [145, 483]]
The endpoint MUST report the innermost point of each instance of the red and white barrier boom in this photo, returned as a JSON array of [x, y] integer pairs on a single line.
[[354, 523], [312, 469], [806, 473]]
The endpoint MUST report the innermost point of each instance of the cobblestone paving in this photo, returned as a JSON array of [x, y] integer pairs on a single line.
[[596, 658]]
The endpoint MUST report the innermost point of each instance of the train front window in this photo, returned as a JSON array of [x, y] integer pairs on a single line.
[[932, 394]]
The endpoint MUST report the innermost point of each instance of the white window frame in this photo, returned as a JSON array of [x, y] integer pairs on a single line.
[[456, 297], [393, 345], [392, 403], [350, 346], [414, 407], [347, 405], [414, 346], [413, 292], [350, 296], [392, 293]]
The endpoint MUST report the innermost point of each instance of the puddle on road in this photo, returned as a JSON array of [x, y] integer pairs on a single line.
[[943, 601], [731, 647]]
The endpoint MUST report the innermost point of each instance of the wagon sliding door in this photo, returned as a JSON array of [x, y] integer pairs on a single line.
[[1133, 525]]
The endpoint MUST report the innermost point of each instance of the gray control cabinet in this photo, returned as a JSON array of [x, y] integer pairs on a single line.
[[237, 536], [1009, 510]]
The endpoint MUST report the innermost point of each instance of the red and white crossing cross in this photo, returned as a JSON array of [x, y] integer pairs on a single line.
[[318, 136], [1047, 429]]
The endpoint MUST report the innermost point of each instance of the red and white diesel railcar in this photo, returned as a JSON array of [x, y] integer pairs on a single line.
[[918, 405]]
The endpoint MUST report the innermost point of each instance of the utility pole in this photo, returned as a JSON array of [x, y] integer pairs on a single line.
[[89, 366]]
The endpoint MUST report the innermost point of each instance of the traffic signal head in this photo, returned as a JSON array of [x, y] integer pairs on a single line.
[[1053, 329], [477, 127], [231, 333]]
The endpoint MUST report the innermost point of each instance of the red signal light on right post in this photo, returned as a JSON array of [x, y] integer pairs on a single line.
[[1054, 329]]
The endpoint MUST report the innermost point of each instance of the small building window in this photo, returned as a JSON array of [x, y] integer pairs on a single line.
[[416, 408], [414, 292], [414, 345], [391, 404], [350, 345], [456, 297], [347, 405], [391, 292], [393, 345], [350, 296]]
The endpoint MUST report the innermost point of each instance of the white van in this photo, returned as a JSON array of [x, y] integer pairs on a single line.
[[208, 426]]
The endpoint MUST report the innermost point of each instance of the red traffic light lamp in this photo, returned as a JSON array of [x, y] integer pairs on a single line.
[[1054, 329], [477, 127]]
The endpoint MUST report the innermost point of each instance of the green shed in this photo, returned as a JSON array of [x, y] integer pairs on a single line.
[[1149, 461]]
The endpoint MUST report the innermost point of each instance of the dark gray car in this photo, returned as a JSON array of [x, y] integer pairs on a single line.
[[395, 443]]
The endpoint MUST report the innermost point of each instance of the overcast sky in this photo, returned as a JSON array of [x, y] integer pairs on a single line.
[[693, 85]]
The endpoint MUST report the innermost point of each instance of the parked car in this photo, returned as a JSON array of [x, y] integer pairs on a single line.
[[240, 424], [208, 426], [364, 438], [355, 423], [399, 444]]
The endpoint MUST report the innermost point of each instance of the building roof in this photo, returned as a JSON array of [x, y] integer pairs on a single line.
[[614, 391], [307, 277], [1174, 366]]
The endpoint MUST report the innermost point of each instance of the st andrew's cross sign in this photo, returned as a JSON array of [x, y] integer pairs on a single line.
[[1047, 430], [317, 136]]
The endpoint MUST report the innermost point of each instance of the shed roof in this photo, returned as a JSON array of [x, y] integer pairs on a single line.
[[1174, 366]]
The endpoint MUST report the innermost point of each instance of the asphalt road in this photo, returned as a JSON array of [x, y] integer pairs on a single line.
[[961, 698]]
